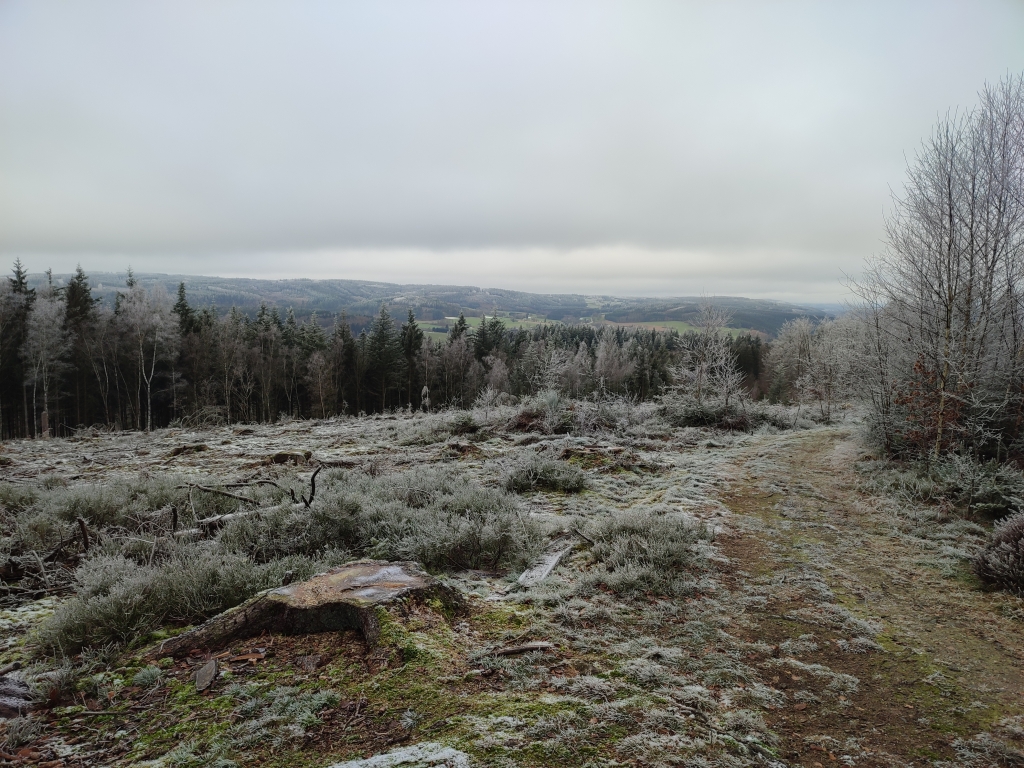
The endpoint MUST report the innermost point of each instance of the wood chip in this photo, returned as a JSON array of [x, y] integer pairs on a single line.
[[248, 657], [206, 675]]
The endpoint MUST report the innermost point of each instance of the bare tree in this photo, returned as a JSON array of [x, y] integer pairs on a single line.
[[47, 343], [148, 322], [318, 374], [946, 290], [612, 366], [709, 364]]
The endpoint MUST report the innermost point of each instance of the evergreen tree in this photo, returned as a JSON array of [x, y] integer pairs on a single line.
[[80, 321], [458, 330], [14, 371], [412, 342], [185, 313], [344, 346], [384, 355], [488, 337]]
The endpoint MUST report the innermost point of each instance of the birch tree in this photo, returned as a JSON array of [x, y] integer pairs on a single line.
[[152, 329]]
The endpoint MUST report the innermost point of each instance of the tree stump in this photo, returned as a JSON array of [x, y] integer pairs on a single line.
[[16, 698], [347, 597]]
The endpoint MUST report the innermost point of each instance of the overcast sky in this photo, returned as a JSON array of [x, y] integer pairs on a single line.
[[631, 148]]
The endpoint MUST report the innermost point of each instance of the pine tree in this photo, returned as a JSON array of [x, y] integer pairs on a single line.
[[384, 355], [412, 342], [458, 330], [12, 342], [185, 313], [344, 354], [80, 320]]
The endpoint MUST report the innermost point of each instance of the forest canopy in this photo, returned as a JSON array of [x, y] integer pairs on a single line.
[[146, 359]]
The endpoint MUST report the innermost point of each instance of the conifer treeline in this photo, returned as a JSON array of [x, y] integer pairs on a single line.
[[68, 360]]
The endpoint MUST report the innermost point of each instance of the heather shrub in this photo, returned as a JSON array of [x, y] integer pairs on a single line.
[[1001, 562], [642, 551], [685, 411], [438, 517], [536, 473], [441, 518], [132, 583], [548, 413], [120, 601]]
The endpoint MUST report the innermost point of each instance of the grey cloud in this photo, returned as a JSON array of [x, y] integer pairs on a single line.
[[144, 130]]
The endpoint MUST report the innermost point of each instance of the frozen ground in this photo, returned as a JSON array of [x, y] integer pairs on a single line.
[[816, 624]]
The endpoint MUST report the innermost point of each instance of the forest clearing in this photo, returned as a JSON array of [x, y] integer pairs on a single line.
[[566, 384], [808, 617]]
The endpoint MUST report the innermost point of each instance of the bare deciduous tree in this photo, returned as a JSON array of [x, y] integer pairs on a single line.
[[147, 321], [945, 294], [46, 345]]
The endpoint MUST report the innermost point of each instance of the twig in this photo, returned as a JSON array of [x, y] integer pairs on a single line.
[[208, 489], [85, 532], [582, 536], [42, 569], [312, 487], [250, 483]]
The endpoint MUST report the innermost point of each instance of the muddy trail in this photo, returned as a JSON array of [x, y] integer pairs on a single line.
[[938, 659]]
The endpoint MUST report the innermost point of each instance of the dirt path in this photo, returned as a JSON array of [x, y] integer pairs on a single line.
[[936, 660]]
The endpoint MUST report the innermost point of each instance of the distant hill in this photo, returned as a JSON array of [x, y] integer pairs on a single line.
[[360, 300]]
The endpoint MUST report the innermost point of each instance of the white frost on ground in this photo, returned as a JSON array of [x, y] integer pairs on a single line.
[[429, 754]]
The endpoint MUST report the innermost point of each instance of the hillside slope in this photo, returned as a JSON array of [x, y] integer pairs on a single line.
[[360, 300]]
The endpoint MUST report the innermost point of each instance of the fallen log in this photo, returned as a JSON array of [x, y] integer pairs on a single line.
[[546, 564], [209, 525], [351, 596], [515, 650]]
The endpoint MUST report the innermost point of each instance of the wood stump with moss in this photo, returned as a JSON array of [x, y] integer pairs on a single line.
[[356, 596]]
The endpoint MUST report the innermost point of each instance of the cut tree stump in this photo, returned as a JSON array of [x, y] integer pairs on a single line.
[[290, 457], [16, 697], [347, 597]]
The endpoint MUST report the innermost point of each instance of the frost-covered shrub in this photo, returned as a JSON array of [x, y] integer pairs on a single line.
[[536, 473], [120, 601], [277, 716], [21, 731], [685, 411], [438, 517], [988, 489], [441, 518], [547, 413], [1001, 562], [743, 416], [129, 586], [642, 551], [147, 676]]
